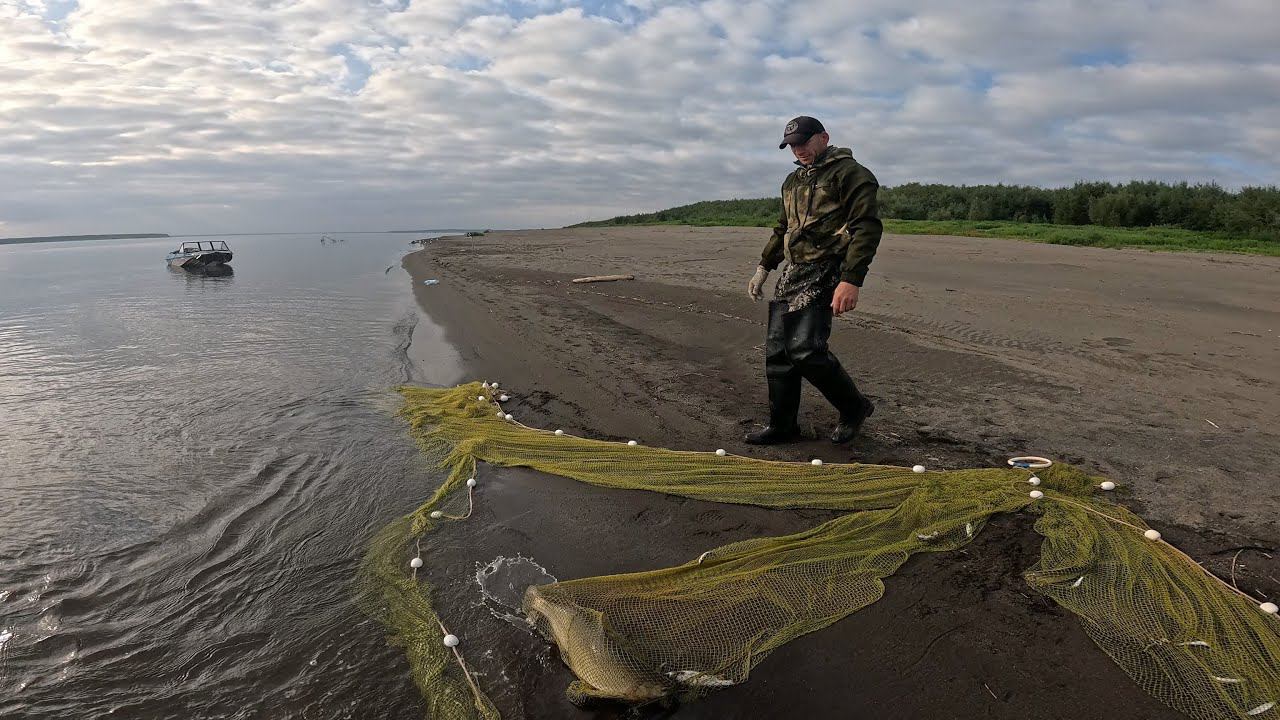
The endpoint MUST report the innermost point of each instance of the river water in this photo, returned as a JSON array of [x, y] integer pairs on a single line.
[[190, 467]]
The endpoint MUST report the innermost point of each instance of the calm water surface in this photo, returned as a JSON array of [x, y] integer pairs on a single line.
[[189, 468]]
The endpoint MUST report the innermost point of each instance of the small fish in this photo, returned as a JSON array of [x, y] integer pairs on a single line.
[[1261, 709], [1226, 681], [1195, 643], [698, 678], [930, 536], [968, 529], [1079, 580]]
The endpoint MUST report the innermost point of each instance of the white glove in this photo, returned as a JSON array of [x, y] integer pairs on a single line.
[[755, 288]]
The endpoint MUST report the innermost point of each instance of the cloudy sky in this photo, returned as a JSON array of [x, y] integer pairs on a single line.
[[277, 115]]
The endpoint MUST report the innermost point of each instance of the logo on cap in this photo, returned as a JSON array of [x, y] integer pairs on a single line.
[[791, 127]]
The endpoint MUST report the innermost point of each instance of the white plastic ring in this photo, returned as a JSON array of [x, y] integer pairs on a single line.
[[1030, 461]]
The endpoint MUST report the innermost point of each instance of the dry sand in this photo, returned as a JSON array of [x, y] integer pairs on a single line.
[[1158, 370]]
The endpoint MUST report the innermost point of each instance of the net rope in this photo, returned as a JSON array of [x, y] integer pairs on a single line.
[[1182, 634]]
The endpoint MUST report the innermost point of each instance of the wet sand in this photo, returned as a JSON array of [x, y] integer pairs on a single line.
[[1158, 370]]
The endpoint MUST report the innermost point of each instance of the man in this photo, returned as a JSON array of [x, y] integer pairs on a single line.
[[828, 234]]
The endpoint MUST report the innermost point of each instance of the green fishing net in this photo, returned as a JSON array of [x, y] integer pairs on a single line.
[[1180, 633]]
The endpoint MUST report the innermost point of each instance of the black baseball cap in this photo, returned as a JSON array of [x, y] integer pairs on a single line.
[[800, 130]]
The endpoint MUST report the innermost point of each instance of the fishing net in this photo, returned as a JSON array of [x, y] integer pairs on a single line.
[[1183, 635]]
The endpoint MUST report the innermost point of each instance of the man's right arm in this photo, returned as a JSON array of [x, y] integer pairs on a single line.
[[772, 255]]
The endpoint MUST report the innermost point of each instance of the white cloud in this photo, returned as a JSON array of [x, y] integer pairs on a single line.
[[209, 115]]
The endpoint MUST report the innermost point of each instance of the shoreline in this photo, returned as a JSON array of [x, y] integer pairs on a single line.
[[673, 359], [79, 238]]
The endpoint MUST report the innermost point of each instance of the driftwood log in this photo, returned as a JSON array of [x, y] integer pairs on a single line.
[[604, 278]]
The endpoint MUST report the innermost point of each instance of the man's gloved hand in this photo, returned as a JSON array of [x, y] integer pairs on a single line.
[[755, 288]]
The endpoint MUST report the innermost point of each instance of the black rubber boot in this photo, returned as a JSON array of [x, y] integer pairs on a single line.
[[784, 404], [809, 330], [784, 384], [839, 389], [848, 427]]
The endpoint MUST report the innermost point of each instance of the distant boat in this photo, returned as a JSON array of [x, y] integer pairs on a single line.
[[200, 255]]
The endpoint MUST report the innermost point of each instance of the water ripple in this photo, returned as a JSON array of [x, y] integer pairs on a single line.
[[191, 467]]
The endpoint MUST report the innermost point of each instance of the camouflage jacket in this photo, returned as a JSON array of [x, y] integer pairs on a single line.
[[828, 210]]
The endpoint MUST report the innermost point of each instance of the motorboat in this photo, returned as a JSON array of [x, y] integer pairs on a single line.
[[200, 255]]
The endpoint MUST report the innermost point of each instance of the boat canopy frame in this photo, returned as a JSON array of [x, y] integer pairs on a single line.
[[203, 246]]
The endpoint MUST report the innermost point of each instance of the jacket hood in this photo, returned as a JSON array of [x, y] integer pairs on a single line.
[[830, 155]]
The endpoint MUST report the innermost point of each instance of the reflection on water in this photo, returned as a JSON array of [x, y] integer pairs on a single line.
[[211, 272], [191, 464]]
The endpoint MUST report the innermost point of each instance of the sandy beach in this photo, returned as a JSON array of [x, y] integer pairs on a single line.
[[1156, 370]]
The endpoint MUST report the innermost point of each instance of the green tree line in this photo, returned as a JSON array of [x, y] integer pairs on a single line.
[[1250, 213]]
